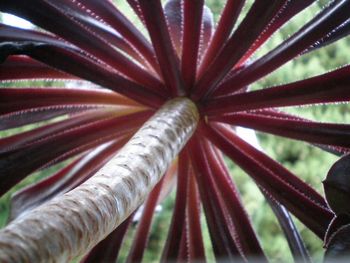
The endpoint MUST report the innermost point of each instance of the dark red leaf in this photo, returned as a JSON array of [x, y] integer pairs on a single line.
[[222, 32], [221, 230], [108, 249], [40, 134], [326, 88], [299, 129], [172, 244], [135, 5], [64, 180], [87, 69], [207, 30], [110, 14], [12, 37], [193, 11], [304, 202], [173, 12], [105, 32], [141, 236], [63, 145], [29, 116], [339, 151], [23, 67], [246, 238], [194, 238], [20, 99], [327, 20], [184, 253], [287, 11], [290, 231], [340, 32], [57, 17], [236, 46], [273, 113], [67, 58], [157, 28]]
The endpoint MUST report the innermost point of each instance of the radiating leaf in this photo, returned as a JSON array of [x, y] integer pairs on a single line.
[[64, 180], [237, 45], [223, 30], [302, 200], [304, 130], [142, 232], [63, 145], [118, 21], [291, 232], [108, 249], [173, 11], [172, 244], [157, 28], [327, 88], [57, 18], [331, 17], [23, 67], [192, 31], [20, 99]]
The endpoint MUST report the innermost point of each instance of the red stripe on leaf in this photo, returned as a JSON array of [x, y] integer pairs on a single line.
[[172, 245], [326, 88], [57, 17], [327, 20], [222, 32], [193, 11], [304, 202], [141, 237], [304, 130], [108, 249], [220, 228], [173, 11], [64, 180], [85, 68], [23, 67], [46, 132], [29, 116], [111, 14], [157, 28], [19, 99], [288, 10], [236, 46], [63, 146], [195, 242], [246, 236]]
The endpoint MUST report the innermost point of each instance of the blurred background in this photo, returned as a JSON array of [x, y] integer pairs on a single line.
[[309, 163]]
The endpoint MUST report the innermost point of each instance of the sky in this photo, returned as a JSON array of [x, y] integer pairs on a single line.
[[12, 20]]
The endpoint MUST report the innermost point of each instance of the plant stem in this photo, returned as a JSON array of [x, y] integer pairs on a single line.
[[70, 225]]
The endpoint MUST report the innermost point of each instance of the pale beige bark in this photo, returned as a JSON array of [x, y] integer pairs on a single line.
[[70, 225]]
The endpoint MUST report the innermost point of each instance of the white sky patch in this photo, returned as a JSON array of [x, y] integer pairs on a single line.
[[16, 21], [249, 136]]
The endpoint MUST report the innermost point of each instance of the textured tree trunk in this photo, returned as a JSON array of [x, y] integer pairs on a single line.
[[70, 225]]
